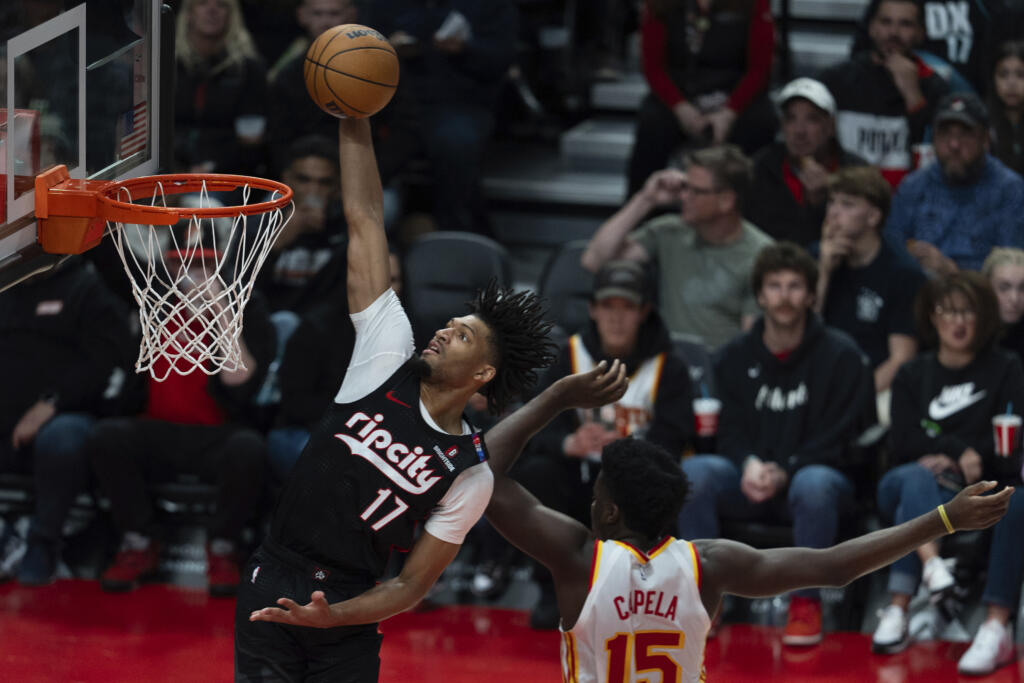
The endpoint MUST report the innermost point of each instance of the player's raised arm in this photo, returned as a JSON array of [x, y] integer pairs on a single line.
[[369, 271], [538, 531], [735, 568]]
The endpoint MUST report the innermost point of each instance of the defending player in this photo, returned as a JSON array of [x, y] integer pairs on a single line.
[[633, 599], [392, 451]]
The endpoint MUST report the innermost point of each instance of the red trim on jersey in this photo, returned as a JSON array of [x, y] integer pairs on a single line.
[[662, 544], [594, 563], [640, 555], [696, 564]]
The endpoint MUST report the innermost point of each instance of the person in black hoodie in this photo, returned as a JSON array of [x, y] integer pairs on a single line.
[[564, 458], [943, 402], [790, 391]]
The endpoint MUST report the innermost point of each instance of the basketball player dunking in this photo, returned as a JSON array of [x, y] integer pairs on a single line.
[[633, 600], [392, 451]]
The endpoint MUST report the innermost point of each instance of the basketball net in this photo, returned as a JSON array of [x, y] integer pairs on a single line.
[[192, 288]]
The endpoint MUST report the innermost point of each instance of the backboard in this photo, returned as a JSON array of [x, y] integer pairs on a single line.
[[80, 85]]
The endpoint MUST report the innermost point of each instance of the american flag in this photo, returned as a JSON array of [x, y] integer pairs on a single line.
[[134, 130]]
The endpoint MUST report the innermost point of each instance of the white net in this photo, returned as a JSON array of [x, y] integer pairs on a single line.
[[193, 280]]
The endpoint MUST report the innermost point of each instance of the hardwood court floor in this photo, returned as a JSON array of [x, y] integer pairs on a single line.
[[71, 631]]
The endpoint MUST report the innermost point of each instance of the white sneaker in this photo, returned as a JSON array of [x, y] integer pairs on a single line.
[[992, 648], [936, 576], [891, 635]]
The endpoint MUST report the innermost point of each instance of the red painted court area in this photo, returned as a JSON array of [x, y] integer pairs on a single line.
[[71, 631]]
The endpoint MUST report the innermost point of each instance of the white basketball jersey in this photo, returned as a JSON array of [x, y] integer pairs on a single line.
[[643, 619]]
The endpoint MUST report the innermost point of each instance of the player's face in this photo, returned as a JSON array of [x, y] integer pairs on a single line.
[[850, 216], [960, 150], [209, 18], [785, 297], [1009, 80], [806, 130], [459, 352], [896, 27], [618, 323], [316, 16], [955, 322], [1008, 282]]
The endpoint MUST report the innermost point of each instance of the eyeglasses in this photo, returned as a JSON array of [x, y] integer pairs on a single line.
[[951, 314], [693, 189]]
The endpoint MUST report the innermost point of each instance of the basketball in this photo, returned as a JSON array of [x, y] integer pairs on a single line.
[[351, 71]]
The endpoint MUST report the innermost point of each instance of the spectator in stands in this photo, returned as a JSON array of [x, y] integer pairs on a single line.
[[951, 213], [1004, 270], [316, 232], [790, 390], [943, 402], [885, 95], [708, 65], [1007, 105], [565, 456], [291, 112], [866, 288], [193, 424], [64, 342], [221, 90], [454, 55], [704, 253], [787, 199]]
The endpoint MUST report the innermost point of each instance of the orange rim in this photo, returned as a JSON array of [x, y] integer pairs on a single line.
[[115, 209]]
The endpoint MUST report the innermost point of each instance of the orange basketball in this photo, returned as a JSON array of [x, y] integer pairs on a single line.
[[351, 71]]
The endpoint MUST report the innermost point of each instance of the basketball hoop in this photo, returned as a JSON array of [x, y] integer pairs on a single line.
[[192, 269]]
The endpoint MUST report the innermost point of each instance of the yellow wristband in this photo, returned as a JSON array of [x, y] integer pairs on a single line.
[[945, 519]]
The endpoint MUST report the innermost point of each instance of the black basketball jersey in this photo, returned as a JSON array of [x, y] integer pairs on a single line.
[[371, 471]]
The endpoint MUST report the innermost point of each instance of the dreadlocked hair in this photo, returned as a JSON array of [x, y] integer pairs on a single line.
[[519, 340]]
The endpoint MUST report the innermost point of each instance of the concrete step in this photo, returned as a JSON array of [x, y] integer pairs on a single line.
[[538, 176], [823, 10], [599, 144], [622, 95]]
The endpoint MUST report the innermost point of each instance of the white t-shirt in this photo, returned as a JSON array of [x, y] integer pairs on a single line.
[[383, 342]]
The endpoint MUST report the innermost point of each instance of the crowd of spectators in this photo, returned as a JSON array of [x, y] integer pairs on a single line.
[[846, 252]]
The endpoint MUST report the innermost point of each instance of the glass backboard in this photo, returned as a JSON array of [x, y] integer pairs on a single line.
[[80, 85]]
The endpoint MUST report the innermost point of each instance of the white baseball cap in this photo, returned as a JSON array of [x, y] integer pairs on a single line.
[[811, 90]]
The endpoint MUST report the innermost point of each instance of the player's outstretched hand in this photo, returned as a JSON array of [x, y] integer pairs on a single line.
[[971, 510], [596, 387], [317, 614]]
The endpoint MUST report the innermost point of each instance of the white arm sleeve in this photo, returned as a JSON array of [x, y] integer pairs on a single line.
[[462, 505], [383, 342]]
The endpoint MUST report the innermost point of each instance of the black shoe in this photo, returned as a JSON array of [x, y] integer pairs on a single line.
[[544, 616], [39, 566]]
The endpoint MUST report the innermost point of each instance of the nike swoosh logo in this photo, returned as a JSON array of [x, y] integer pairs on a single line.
[[391, 397], [940, 410]]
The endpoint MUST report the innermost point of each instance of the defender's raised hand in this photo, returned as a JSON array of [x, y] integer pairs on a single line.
[[594, 388], [971, 510]]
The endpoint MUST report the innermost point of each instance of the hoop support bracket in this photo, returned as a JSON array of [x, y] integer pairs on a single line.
[[67, 212]]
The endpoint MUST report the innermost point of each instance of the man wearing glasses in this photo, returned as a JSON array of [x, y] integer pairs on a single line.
[[704, 252]]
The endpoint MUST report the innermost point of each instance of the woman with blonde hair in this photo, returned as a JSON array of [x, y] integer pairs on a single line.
[[1004, 270], [220, 106]]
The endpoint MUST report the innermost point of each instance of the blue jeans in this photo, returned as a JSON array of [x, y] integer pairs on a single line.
[[816, 498], [284, 446], [60, 471], [910, 490]]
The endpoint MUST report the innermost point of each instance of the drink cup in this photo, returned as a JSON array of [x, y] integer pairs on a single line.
[[1006, 432], [705, 413]]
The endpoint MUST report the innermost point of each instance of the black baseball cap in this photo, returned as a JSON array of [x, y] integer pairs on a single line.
[[626, 279], [962, 107]]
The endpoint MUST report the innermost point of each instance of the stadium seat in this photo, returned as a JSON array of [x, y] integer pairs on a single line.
[[567, 287], [443, 270]]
